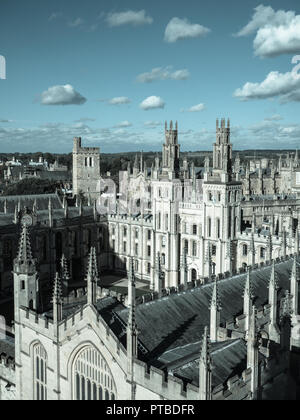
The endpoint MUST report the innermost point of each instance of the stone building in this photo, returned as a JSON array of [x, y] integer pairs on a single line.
[[86, 169], [221, 320], [236, 338]]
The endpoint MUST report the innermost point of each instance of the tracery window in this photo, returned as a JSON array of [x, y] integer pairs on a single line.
[[40, 372], [92, 377]]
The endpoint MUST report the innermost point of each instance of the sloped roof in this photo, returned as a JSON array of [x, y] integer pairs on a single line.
[[42, 201], [179, 319], [228, 359]]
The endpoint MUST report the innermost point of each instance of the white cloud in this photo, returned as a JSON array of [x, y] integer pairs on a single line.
[[160, 73], [152, 124], [178, 29], [76, 22], [123, 124], [62, 95], [152, 102], [275, 117], [121, 100], [283, 85], [196, 108], [85, 119], [130, 17], [54, 16], [276, 32]]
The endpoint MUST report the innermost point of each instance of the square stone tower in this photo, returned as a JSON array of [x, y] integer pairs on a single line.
[[86, 169]]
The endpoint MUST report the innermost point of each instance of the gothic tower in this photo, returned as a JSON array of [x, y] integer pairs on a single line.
[[86, 170], [222, 155], [170, 151], [26, 289]]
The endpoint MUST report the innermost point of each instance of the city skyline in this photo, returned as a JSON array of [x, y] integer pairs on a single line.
[[113, 73]]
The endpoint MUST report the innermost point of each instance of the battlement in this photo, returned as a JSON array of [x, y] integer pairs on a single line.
[[162, 383], [222, 125]]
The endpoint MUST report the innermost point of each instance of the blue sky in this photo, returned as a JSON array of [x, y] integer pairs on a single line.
[[114, 71]]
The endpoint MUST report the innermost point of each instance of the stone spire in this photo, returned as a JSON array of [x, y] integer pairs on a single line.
[[205, 371], [270, 247], [80, 207], [24, 257], [92, 277], [89, 200], [274, 333], [229, 255], [16, 215], [64, 202], [253, 223], [184, 269], [136, 166], [158, 276], [215, 312], [283, 242], [252, 354], [95, 211], [252, 250], [295, 279], [141, 162], [57, 299], [248, 300], [26, 287], [296, 242], [209, 262], [66, 210], [131, 331], [50, 212], [65, 276], [5, 206]]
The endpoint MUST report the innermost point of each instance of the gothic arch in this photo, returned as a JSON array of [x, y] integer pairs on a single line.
[[91, 377], [39, 360]]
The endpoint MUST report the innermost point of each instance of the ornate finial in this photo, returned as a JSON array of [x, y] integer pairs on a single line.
[[131, 295], [57, 296], [273, 277], [24, 252], [286, 306], [205, 348], [64, 268], [92, 271], [215, 300], [248, 291]]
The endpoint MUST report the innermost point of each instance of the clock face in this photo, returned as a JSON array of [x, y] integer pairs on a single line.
[[27, 220]]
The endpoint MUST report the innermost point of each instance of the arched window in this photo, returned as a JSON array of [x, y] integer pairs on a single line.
[[39, 372], [245, 250], [218, 232], [209, 227], [92, 377], [186, 246], [194, 274], [194, 248]]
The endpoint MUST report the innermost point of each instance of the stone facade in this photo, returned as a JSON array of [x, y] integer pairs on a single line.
[[223, 271], [86, 169]]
